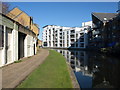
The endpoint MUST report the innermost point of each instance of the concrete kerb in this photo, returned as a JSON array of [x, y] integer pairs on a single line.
[[73, 78]]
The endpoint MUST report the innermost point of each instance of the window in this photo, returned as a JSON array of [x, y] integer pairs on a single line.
[[72, 31], [72, 45], [60, 29], [1, 36], [76, 45], [82, 45], [45, 43], [81, 39], [67, 32]]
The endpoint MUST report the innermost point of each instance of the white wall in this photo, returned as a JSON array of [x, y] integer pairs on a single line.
[[15, 44], [9, 45], [1, 57], [29, 46], [10, 54]]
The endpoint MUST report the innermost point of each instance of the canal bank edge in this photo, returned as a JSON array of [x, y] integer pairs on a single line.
[[73, 78]]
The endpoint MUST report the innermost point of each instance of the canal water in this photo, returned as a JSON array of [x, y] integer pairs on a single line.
[[93, 70]]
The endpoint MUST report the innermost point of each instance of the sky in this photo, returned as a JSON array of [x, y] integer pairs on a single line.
[[70, 14]]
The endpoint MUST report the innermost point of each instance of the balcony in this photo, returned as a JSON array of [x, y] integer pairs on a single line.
[[97, 39], [72, 31], [96, 26], [72, 42], [72, 45], [82, 45], [82, 40], [56, 42], [72, 36], [60, 42], [96, 32], [81, 34], [60, 38], [60, 29], [60, 32]]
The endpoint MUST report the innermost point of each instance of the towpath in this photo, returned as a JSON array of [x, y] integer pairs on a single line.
[[14, 74]]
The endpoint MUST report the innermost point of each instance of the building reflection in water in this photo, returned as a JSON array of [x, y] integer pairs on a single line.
[[93, 70]]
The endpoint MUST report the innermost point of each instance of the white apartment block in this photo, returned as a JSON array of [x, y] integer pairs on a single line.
[[66, 37]]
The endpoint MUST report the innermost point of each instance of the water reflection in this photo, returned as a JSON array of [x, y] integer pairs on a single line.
[[93, 70]]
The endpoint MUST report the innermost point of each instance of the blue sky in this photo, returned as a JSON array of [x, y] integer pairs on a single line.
[[63, 13]]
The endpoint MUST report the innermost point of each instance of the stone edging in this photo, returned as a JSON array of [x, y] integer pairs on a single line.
[[73, 78]]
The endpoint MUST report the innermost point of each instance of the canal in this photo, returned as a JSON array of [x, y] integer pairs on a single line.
[[93, 70]]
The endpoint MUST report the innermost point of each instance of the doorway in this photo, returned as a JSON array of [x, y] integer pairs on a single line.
[[34, 49], [21, 39]]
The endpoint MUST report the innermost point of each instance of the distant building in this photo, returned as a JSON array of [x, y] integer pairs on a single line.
[[39, 43], [66, 37]]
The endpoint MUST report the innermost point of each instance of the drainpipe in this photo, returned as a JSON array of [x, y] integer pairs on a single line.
[[85, 38], [5, 47], [104, 28]]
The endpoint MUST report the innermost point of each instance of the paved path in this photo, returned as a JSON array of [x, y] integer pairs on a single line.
[[15, 73]]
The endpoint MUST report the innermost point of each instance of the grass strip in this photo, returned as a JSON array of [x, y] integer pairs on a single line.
[[53, 73]]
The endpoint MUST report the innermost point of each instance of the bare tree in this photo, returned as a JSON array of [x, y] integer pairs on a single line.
[[4, 7]]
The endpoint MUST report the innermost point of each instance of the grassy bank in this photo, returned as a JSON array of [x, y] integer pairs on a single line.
[[53, 73]]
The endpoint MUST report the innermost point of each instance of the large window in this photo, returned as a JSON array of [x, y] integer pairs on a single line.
[[45, 43], [1, 36]]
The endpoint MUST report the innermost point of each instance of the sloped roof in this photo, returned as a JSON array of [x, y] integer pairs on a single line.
[[101, 16]]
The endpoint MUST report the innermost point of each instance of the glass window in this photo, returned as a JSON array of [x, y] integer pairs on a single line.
[[67, 32]]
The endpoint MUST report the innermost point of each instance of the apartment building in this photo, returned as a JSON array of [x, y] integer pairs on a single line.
[[66, 37], [106, 28]]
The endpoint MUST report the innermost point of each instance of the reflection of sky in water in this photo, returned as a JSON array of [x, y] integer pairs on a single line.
[[84, 81]]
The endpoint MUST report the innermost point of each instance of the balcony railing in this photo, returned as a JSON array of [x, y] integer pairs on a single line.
[[72, 31], [96, 32], [95, 26]]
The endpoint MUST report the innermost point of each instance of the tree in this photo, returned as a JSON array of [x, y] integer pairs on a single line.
[[4, 7]]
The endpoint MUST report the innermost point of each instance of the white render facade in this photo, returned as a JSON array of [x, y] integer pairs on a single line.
[[66, 37], [12, 46]]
